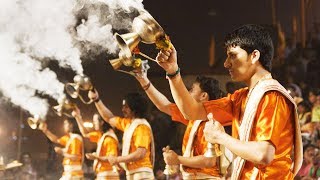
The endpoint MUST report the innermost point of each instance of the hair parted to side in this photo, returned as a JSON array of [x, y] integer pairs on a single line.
[[252, 37], [137, 103], [210, 86]]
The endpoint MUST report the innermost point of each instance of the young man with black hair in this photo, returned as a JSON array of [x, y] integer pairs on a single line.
[[138, 146], [107, 145], [73, 151], [193, 163], [265, 127]]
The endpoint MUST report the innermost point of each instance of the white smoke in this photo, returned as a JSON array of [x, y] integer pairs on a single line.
[[22, 77], [32, 31], [102, 17]]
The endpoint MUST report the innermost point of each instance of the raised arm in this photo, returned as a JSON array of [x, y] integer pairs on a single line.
[[44, 128], [189, 107], [105, 113], [77, 115], [157, 98]]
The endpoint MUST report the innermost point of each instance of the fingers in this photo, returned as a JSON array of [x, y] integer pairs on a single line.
[[161, 57], [164, 55], [210, 116], [166, 149], [212, 120]]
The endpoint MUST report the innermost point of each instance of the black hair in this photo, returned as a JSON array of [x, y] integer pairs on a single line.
[[137, 103], [253, 37], [210, 86], [73, 122], [23, 154], [315, 91], [306, 105], [105, 126]]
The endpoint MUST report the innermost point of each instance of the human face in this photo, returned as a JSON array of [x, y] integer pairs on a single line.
[[67, 127], [239, 64], [196, 92], [291, 92], [127, 112], [309, 154], [312, 98], [301, 109], [96, 122], [26, 159]]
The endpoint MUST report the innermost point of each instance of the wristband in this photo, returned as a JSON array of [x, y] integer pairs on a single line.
[[173, 74], [146, 87], [96, 100]]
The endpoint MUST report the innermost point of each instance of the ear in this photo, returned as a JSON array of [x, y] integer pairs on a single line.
[[204, 96], [255, 56]]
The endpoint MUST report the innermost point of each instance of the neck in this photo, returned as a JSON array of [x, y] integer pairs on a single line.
[[256, 77]]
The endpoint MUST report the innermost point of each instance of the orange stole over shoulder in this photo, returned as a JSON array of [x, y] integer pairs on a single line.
[[274, 121], [189, 151], [245, 130], [137, 133], [107, 144], [199, 145], [73, 145]]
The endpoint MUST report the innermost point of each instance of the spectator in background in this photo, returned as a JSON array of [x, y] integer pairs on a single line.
[[26, 171], [315, 169], [314, 98], [295, 93], [304, 113]]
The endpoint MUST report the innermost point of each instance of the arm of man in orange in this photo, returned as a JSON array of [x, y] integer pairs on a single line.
[[157, 98], [189, 107], [44, 128], [261, 152], [105, 113], [272, 115], [140, 153], [76, 148], [171, 158], [142, 141], [77, 115], [111, 146]]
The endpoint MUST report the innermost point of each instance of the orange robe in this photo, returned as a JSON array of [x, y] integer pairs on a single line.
[[75, 148], [141, 138], [108, 148], [274, 122], [199, 143]]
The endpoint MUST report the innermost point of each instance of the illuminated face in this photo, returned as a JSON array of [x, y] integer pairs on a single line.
[[127, 112], [312, 98], [196, 92], [26, 159], [239, 64], [96, 122], [301, 109], [67, 127]]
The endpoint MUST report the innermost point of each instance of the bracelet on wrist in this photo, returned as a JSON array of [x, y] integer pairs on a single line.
[[173, 74], [96, 100], [146, 87]]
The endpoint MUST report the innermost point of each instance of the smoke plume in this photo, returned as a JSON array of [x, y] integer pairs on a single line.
[[34, 31]]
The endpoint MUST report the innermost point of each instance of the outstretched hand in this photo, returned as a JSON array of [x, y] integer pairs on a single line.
[[43, 126], [93, 94], [170, 157], [167, 59], [112, 160], [76, 112], [91, 156]]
